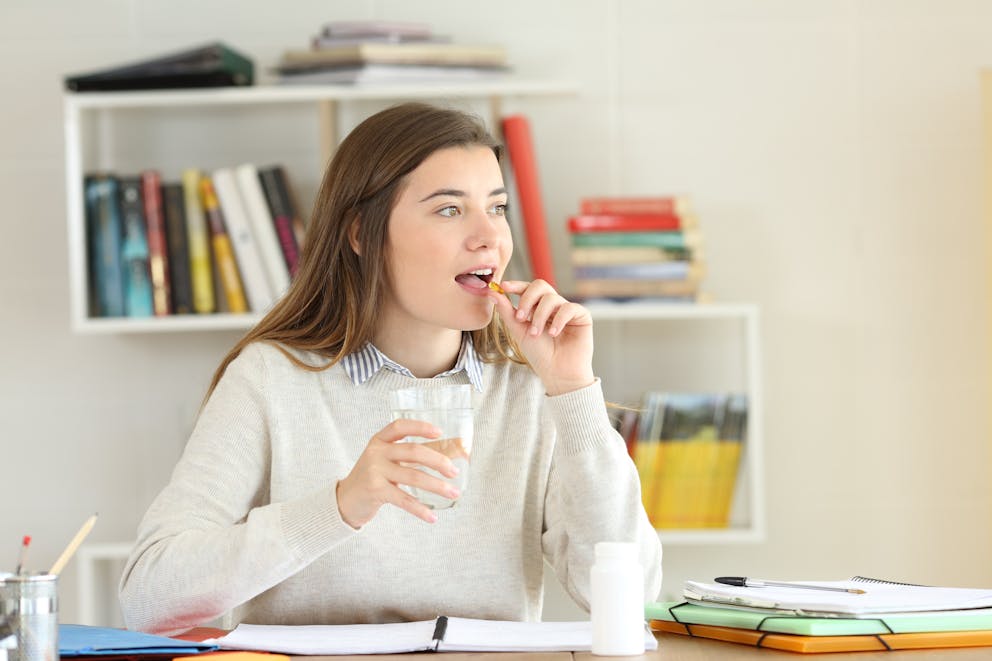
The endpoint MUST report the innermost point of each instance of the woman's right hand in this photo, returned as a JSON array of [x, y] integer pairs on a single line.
[[385, 464]]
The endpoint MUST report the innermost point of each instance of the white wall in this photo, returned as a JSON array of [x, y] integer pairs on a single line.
[[833, 152]]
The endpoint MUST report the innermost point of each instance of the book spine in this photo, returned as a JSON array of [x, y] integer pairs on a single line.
[[608, 255], [516, 130], [628, 223], [201, 273], [681, 270], [263, 228], [137, 281], [664, 205], [253, 278], [158, 262], [667, 240], [281, 207], [617, 288], [105, 240], [175, 233], [223, 252]]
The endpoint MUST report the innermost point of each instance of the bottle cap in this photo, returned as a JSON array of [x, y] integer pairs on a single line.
[[617, 550]]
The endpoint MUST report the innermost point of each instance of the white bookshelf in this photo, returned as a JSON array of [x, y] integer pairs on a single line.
[[89, 122], [731, 330]]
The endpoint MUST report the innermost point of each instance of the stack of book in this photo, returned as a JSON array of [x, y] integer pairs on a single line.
[[364, 52], [860, 614], [227, 241], [687, 450], [626, 248]]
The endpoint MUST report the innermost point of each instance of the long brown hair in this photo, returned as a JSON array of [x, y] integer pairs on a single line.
[[331, 307]]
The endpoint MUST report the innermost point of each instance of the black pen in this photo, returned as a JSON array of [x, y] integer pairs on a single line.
[[743, 582]]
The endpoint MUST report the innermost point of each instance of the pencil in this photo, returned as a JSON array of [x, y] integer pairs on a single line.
[[741, 581], [23, 555], [73, 545]]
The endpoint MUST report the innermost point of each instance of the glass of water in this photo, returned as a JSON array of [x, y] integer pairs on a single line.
[[449, 408]]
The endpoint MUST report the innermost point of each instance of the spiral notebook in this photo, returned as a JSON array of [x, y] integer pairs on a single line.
[[878, 597], [443, 634]]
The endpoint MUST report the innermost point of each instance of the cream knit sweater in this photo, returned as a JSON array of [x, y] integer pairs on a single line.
[[249, 520]]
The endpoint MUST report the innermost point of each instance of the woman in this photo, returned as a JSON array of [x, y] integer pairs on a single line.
[[287, 502]]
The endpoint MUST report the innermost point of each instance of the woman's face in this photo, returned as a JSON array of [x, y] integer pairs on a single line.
[[447, 238]]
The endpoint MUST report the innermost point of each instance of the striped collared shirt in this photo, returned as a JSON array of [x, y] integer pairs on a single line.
[[364, 363]]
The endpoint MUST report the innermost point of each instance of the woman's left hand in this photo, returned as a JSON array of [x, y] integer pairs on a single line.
[[554, 334]]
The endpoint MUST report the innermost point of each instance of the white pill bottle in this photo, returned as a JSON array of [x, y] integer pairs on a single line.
[[617, 600]]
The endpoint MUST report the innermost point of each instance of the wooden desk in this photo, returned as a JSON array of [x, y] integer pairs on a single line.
[[674, 647]]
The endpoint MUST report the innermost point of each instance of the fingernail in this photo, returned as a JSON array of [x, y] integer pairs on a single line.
[[521, 315], [454, 493], [534, 330], [433, 517]]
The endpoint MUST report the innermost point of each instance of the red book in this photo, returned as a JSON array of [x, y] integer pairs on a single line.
[[520, 146], [158, 251], [665, 204], [644, 222]]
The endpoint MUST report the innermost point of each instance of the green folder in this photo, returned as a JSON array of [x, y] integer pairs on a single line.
[[975, 619]]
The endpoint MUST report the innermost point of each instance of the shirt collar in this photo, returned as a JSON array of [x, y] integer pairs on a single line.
[[363, 364]]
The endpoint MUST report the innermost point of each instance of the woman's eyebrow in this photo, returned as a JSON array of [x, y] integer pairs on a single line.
[[454, 192]]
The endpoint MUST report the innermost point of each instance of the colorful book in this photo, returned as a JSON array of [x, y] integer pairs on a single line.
[[818, 644], [284, 216], [643, 222], [226, 267], [660, 204], [680, 240], [414, 52], [198, 241], [246, 253], [685, 613], [158, 259], [137, 280], [667, 270], [520, 146], [263, 228], [628, 288], [174, 211], [105, 234], [606, 255]]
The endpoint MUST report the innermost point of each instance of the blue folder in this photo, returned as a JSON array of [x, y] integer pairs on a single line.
[[83, 640]]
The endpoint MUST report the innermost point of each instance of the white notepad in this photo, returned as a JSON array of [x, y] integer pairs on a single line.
[[444, 634]]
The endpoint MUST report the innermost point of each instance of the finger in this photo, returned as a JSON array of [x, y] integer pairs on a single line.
[[417, 478], [530, 297], [545, 307], [404, 427], [421, 455], [568, 314], [405, 501]]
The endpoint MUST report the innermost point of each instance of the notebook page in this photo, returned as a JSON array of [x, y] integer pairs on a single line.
[[878, 598], [471, 635], [331, 638]]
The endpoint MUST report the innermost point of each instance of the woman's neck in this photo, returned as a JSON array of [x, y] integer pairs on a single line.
[[425, 354]]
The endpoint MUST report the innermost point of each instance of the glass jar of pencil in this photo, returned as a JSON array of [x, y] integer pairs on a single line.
[[29, 612]]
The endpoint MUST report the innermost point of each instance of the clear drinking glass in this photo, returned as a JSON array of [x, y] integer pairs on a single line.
[[449, 408]]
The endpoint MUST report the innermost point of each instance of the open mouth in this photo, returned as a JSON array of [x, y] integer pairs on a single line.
[[478, 279]]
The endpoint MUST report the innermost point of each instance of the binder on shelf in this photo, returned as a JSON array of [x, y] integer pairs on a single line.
[[211, 65]]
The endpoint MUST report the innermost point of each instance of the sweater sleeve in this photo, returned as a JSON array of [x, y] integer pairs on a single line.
[[593, 495], [211, 540]]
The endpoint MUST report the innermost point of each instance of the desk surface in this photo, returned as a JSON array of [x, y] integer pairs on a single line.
[[675, 647]]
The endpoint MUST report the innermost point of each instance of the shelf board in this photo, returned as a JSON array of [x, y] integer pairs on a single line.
[[179, 322], [298, 93], [653, 310]]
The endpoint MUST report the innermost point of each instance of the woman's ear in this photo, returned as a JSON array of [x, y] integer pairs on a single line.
[[353, 237]]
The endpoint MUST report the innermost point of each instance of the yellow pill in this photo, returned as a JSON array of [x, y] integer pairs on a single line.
[[495, 287]]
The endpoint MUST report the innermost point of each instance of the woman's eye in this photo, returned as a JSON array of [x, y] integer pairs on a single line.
[[499, 210], [449, 212]]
